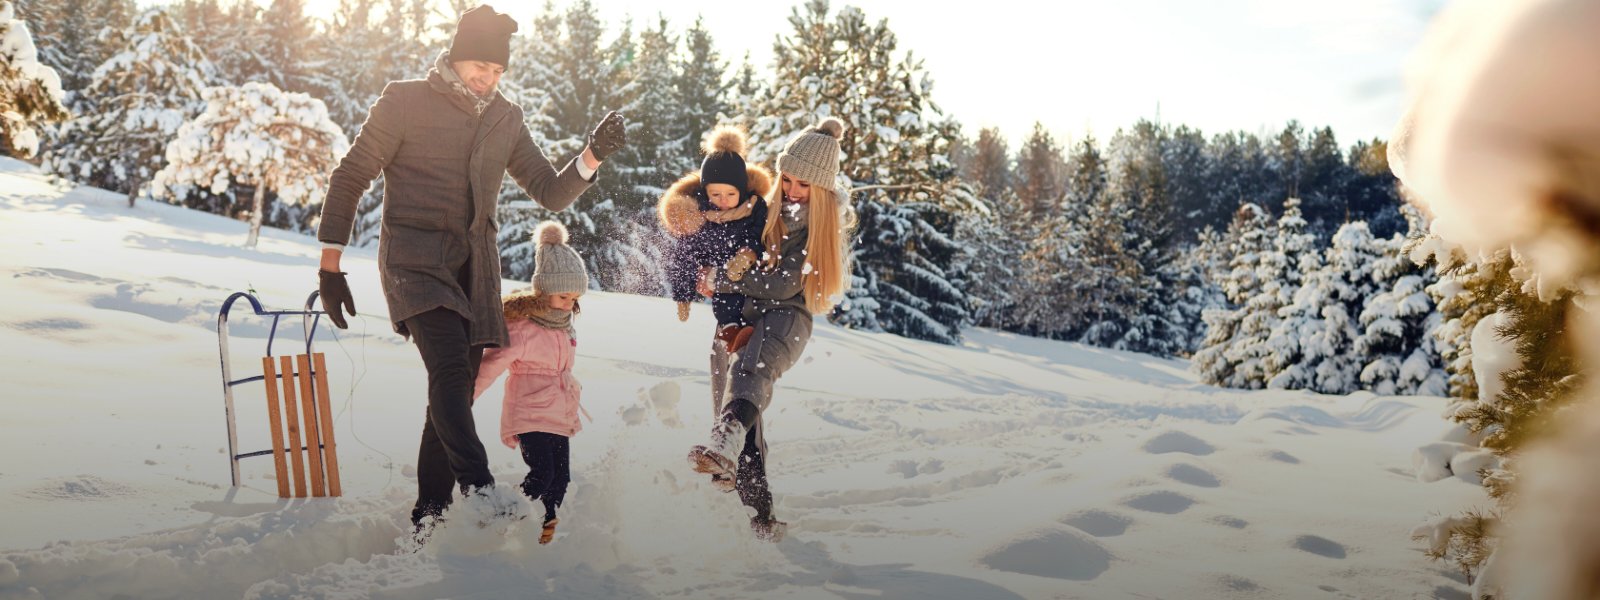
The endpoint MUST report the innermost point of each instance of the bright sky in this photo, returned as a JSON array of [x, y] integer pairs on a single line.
[[1080, 66]]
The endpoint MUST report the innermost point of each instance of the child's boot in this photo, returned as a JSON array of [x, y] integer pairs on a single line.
[[683, 311], [726, 335], [768, 528], [549, 531], [741, 338]]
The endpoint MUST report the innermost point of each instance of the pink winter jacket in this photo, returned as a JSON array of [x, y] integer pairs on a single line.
[[540, 393]]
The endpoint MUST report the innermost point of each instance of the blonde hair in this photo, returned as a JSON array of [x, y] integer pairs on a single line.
[[541, 302], [829, 228]]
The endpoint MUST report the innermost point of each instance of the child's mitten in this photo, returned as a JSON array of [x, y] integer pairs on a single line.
[[740, 264]]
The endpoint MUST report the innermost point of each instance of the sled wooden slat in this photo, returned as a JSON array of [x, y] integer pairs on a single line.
[[293, 413], [280, 467], [330, 454], [313, 438], [283, 406]]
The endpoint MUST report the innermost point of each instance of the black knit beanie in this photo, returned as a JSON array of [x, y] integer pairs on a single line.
[[724, 166], [483, 34]]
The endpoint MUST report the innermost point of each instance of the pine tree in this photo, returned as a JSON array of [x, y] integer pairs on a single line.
[[143, 94], [896, 162], [1141, 314], [997, 239], [658, 129], [290, 41], [1371, 190], [350, 76], [1250, 236], [997, 234], [1200, 271], [1321, 324], [1058, 277], [702, 95], [990, 165], [259, 136], [570, 81], [1288, 155], [746, 92], [232, 36], [1186, 164], [69, 36], [1240, 171], [1323, 178], [1040, 170], [30, 92], [534, 86], [1052, 274], [386, 51], [1398, 324], [1088, 177], [1293, 260], [1486, 300]]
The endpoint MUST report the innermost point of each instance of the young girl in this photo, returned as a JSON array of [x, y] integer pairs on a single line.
[[803, 275], [716, 214], [540, 410]]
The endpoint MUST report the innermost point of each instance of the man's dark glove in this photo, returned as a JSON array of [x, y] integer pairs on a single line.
[[335, 293], [609, 136]]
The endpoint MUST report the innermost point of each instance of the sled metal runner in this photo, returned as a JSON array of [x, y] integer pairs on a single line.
[[310, 317]]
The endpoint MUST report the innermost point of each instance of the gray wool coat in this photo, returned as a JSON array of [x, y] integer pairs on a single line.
[[776, 309], [443, 166]]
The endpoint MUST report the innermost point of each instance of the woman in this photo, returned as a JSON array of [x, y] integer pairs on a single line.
[[803, 274]]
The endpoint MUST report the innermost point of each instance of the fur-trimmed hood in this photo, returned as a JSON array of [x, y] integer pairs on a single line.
[[521, 304], [684, 209]]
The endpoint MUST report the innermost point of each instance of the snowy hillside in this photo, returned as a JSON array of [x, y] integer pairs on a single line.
[[1005, 468]]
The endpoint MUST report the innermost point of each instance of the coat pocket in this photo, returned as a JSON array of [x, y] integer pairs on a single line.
[[415, 244], [539, 398]]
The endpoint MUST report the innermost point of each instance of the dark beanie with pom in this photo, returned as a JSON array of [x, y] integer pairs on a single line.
[[724, 164], [483, 34]]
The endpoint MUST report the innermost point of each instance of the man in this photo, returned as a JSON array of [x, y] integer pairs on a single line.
[[444, 145]]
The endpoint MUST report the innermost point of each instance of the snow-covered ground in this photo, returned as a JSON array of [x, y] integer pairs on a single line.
[[1005, 468]]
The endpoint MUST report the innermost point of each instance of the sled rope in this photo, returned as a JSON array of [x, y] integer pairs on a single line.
[[356, 376]]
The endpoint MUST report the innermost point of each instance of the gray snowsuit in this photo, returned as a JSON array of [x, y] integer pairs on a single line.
[[776, 308]]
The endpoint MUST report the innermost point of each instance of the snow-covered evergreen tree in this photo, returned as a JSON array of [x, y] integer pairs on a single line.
[[1398, 323], [142, 95], [290, 47], [232, 36], [1141, 312], [1249, 237], [993, 262], [259, 136], [658, 129], [70, 36], [1293, 259], [746, 92], [895, 162], [1200, 270], [30, 92], [1322, 323], [702, 93], [365, 55], [351, 74]]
